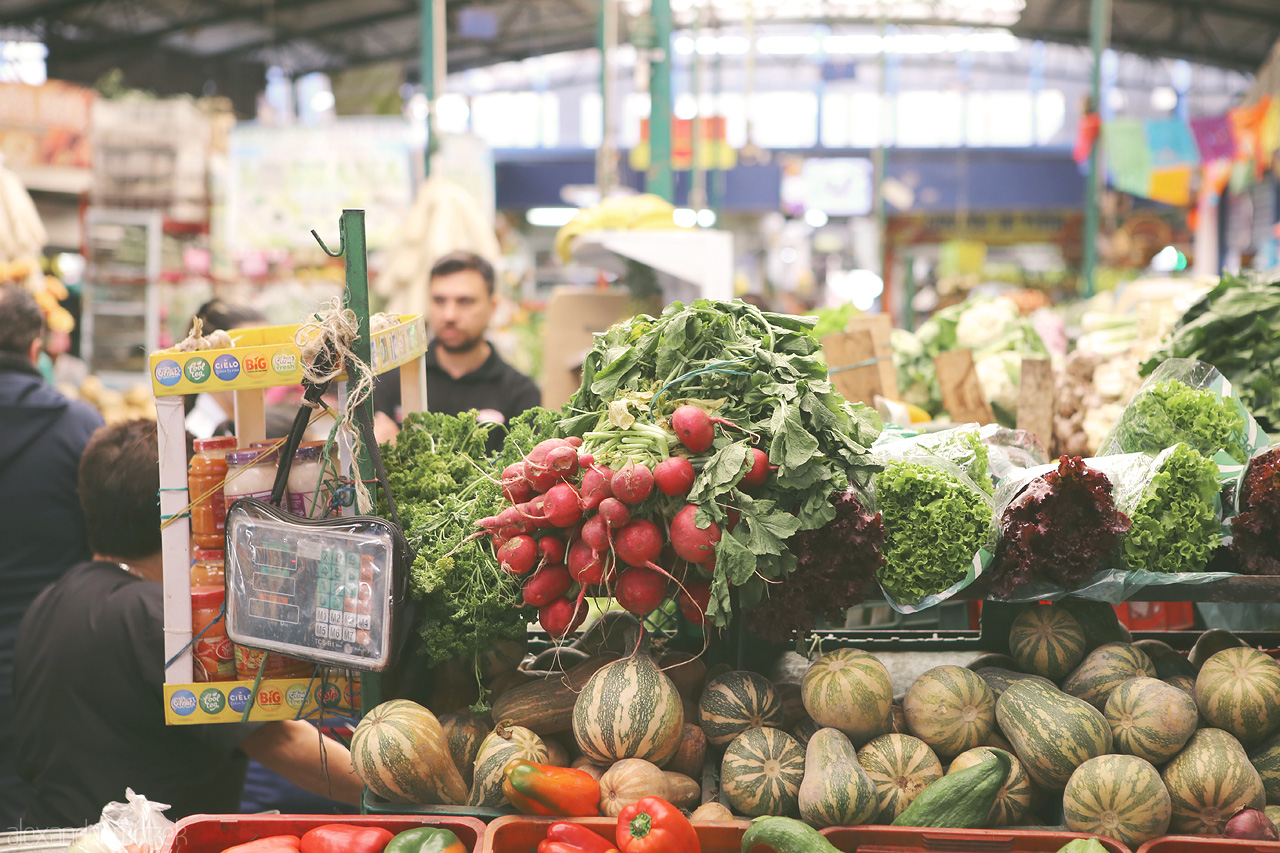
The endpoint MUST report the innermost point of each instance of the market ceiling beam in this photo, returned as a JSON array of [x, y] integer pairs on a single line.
[[1236, 61], [289, 36]]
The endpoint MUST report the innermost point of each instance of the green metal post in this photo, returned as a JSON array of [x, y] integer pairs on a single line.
[[660, 180], [356, 261], [909, 293], [1099, 39], [427, 73]]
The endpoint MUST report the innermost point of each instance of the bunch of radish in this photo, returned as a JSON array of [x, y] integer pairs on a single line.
[[576, 527]]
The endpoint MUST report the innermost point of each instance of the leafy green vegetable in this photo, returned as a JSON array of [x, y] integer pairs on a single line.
[[764, 372], [1171, 412], [832, 320], [1233, 327], [961, 446], [934, 523], [1175, 524], [433, 456]]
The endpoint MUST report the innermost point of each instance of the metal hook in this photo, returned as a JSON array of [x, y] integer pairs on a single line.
[[342, 240]]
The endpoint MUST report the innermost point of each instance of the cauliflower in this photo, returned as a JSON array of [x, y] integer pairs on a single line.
[[985, 321], [999, 374]]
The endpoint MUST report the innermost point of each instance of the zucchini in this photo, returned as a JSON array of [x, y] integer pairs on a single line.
[[786, 835], [961, 800]]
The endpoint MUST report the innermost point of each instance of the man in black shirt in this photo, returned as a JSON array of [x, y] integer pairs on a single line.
[[89, 673], [464, 371]]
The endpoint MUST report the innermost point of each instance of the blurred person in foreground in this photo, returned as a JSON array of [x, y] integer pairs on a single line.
[[464, 371], [89, 673], [42, 435]]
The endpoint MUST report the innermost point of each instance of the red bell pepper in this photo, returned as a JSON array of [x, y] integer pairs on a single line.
[[655, 826], [542, 789], [345, 838], [574, 838], [270, 844]]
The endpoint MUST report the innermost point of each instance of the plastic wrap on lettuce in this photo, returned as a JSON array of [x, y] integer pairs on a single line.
[[962, 446], [1011, 451], [1255, 528], [937, 523]]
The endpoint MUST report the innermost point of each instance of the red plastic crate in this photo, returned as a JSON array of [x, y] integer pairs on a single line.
[[1207, 844], [204, 833], [1157, 615], [520, 834], [911, 839]]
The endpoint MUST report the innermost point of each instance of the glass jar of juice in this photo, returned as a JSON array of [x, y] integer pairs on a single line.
[[205, 476], [213, 652], [278, 666], [207, 568]]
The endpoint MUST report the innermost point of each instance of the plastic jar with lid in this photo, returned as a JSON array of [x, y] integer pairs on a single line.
[[205, 475], [214, 653], [207, 568], [250, 474], [305, 491], [278, 666]]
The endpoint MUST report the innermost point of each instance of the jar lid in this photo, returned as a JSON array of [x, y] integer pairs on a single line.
[[220, 442], [207, 597], [206, 555], [250, 457], [306, 454], [258, 445]]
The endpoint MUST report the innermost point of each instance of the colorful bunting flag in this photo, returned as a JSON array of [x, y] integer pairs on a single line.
[[1214, 138], [1171, 143], [1170, 186], [1128, 157]]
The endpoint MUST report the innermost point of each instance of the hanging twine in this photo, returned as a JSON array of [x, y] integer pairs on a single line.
[[334, 330]]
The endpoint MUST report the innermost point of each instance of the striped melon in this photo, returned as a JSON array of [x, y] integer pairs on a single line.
[[792, 703], [836, 790], [1272, 813], [629, 709], [951, 709], [1210, 643], [1238, 690], [1016, 796], [502, 746], [849, 690], [1150, 719], [1047, 641], [1266, 760], [1098, 620], [1209, 781], [1104, 669], [998, 741], [901, 766], [464, 734], [1185, 683], [999, 679], [400, 751], [1167, 660], [762, 771], [1052, 733], [1119, 796], [737, 701], [804, 730]]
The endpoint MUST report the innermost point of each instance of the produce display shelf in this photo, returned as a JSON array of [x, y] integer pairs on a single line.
[[204, 833], [909, 839], [521, 834], [1203, 844]]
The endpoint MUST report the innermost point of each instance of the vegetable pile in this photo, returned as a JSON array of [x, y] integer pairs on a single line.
[[1233, 327], [1256, 528]]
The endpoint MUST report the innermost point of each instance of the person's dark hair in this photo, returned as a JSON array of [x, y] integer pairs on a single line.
[[217, 315], [456, 262], [21, 320], [120, 490]]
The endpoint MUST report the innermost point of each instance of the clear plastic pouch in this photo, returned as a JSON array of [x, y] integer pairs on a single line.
[[136, 826]]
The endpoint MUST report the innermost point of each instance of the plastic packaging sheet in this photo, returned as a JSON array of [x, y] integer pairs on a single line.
[[138, 826], [937, 520], [962, 446], [1010, 451], [1255, 522]]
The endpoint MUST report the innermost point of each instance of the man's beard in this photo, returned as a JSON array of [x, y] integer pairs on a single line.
[[469, 345]]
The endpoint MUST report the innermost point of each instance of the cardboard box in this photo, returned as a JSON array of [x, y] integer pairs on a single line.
[[574, 315]]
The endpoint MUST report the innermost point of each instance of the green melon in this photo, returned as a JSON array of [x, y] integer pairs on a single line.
[[804, 730], [464, 733], [1047, 640], [1052, 733], [1185, 683], [951, 709], [1272, 813], [836, 790], [1150, 719], [1167, 660], [502, 746], [629, 709], [1119, 796], [1238, 690], [992, 659], [849, 690], [1104, 669], [1210, 643], [1016, 796], [1266, 760], [399, 750], [737, 701], [1000, 679], [762, 771], [901, 766], [1098, 620], [1209, 781]]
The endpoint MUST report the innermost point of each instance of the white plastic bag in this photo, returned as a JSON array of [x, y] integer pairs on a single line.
[[136, 826]]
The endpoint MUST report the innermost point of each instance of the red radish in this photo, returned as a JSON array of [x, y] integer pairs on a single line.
[[1251, 825], [561, 505], [586, 460], [518, 555], [632, 484], [574, 441], [512, 522], [640, 590], [515, 488], [587, 566], [694, 600], [563, 460], [674, 476], [596, 533], [732, 519], [614, 512], [552, 550], [595, 486], [537, 470], [691, 542], [759, 470], [546, 585], [639, 543], [692, 427], [561, 616]]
